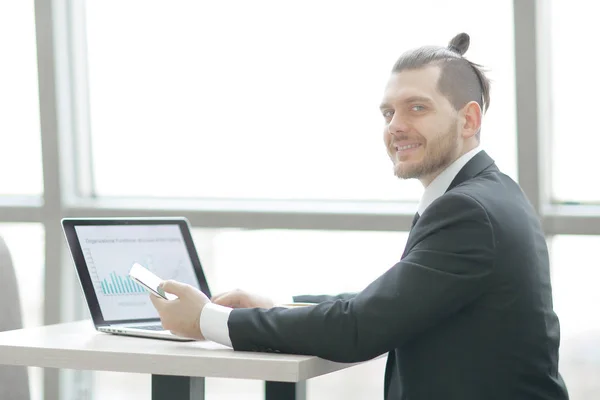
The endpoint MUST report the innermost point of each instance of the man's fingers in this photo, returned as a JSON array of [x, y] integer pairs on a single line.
[[174, 287], [230, 299], [158, 302], [218, 296], [226, 297]]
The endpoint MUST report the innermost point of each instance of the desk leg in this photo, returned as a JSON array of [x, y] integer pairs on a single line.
[[285, 390], [167, 387]]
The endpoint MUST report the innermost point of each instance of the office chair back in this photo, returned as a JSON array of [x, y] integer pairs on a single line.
[[14, 381]]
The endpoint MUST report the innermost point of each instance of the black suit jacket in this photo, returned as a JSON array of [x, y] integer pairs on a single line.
[[465, 314]]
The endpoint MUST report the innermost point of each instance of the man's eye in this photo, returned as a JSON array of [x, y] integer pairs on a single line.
[[417, 108], [388, 113]]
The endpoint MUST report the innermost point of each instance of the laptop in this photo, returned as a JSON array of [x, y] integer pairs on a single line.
[[104, 250]]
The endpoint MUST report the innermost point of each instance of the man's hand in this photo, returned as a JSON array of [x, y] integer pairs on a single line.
[[181, 316], [241, 299]]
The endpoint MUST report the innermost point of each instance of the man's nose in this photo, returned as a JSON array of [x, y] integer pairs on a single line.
[[397, 125]]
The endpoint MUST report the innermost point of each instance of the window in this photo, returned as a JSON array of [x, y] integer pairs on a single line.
[[574, 134], [20, 149], [282, 263], [343, 261], [276, 100], [26, 245], [575, 277]]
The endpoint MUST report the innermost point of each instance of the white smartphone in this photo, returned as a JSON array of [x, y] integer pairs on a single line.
[[149, 281]]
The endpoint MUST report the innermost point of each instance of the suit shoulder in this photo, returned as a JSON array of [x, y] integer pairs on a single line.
[[493, 191], [457, 201], [460, 209], [504, 202], [458, 218]]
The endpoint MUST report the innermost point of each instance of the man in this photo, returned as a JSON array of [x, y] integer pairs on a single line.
[[467, 311]]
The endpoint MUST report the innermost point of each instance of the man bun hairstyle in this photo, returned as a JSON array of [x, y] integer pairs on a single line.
[[461, 80], [460, 43]]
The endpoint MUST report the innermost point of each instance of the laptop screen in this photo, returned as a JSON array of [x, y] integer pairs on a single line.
[[109, 252]]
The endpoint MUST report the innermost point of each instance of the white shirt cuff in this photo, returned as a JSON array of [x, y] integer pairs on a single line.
[[213, 323]]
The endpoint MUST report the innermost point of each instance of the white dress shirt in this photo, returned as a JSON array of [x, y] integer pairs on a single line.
[[213, 319]]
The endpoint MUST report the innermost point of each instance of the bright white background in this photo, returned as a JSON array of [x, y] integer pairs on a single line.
[[574, 102], [269, 99], [20, 147]]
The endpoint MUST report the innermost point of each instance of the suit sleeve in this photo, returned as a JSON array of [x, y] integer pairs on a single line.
[[448, 267], [323, 298]]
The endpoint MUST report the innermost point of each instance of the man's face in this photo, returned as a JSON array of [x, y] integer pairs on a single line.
[[421, 131]]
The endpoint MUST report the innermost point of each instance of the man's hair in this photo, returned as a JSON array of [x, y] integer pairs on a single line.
[[461, 80]]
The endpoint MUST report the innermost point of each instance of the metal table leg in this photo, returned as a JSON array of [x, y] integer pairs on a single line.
[[285, 390], [167, 387]]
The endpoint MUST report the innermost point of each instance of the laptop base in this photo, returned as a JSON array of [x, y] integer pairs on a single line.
[[127, 331]]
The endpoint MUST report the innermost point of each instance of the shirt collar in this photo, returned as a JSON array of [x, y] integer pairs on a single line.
[[441, 183]]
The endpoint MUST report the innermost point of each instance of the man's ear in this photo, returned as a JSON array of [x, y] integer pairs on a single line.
[[471, 119]]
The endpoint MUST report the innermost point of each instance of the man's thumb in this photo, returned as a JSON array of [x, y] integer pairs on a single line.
[[174, 287]]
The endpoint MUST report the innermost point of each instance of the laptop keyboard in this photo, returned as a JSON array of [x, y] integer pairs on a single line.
[[149, 327]]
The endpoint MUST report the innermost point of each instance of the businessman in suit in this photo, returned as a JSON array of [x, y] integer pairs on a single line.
[[466, 314]]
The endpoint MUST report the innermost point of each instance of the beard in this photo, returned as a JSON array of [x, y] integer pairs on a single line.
[[439, 153]]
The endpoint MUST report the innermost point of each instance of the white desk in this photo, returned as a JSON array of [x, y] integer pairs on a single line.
[[178, 368]]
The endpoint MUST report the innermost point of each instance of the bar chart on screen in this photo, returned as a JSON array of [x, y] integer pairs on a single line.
[[114, 284], [120, 285]]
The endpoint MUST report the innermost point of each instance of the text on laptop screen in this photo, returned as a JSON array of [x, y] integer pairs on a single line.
[[111, 250]]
